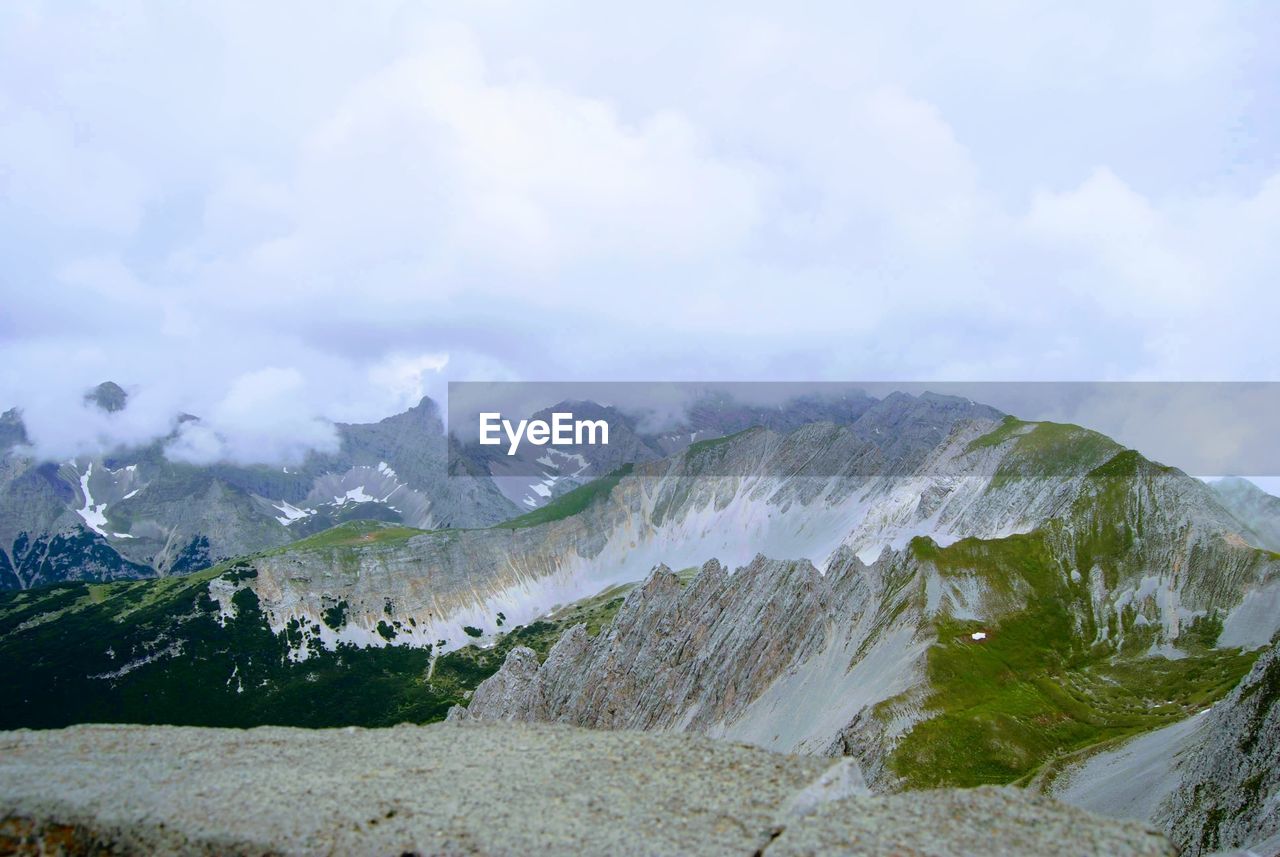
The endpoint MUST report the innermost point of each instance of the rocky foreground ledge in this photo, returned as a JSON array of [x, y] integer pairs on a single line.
[[493, 789]]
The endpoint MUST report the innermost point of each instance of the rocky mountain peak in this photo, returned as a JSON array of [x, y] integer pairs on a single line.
[[108, 396], [674, 653], [12, 430]]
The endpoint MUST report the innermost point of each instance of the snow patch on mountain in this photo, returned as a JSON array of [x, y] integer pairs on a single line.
[[354, 495], [94, 514], [378, 484], [572, 466], [290, 513]]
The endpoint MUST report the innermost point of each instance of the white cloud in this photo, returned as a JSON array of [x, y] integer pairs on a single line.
[[63, 180], [405, 376], [1116, 234], [189, 198], [262, 418]]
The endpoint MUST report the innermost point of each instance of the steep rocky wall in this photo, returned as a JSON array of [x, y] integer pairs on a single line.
[[678, 657], [1229, 793]]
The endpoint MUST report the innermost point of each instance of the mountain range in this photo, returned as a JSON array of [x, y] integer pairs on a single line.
[[135, 512], [949, 595]]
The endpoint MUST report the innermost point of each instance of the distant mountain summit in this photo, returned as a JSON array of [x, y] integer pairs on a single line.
[[12, 431], [108, 396], [1255, 508]]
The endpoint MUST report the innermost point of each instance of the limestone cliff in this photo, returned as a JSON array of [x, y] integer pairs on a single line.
[[1229, 790]]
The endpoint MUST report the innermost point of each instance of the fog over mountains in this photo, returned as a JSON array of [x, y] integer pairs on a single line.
[[135, 512], [140, 511]]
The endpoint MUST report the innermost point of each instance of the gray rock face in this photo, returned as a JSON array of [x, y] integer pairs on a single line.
[[538, 475], [673, 657], [487, 790], [978, 821], [1134, 779], [1229, 794], [796, 495], [775, 653]]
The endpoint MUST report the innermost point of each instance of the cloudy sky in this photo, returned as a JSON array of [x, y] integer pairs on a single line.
[[269, 215]]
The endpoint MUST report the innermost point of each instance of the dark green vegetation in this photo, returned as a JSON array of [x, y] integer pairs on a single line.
[[80, 554], [336, 616], [153, 651], [1037, 689], [570, 503]]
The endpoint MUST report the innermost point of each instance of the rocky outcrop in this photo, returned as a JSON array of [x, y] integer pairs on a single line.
[[774, 653], [491, 790], [675, 657], [1229, 790], [108, 396]]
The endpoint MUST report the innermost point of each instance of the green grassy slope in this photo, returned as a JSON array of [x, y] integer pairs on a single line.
[[1037, 689], [352, 534]]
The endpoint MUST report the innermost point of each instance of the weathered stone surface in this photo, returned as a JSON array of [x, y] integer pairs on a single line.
[[842, 780], [459, 789], [989, 821]]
